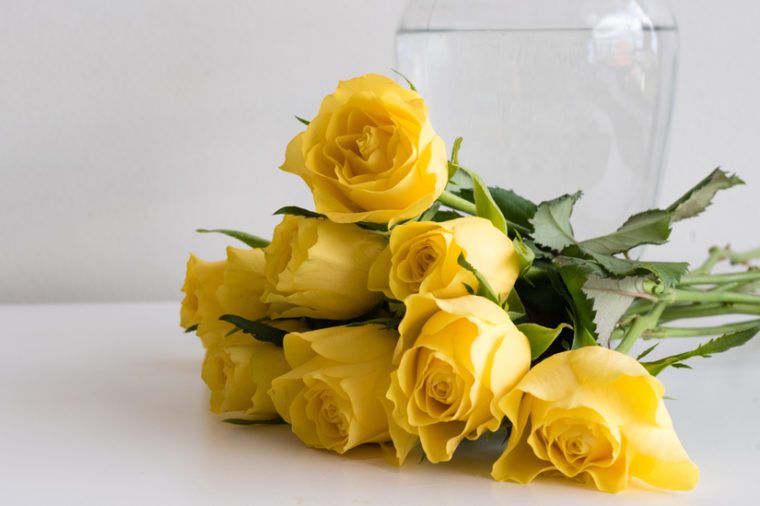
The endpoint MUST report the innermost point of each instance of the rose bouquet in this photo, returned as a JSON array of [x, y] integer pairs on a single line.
[[417, 307]]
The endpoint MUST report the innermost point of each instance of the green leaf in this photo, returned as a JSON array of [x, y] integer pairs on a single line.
[[514, 304], [551, 223], [191, 328], [540, 337], [298, 211], [460, 183], [304, 121], [654, 227], [484, 203], [611, 298], [647, 351], [375, 227], [445, 215], [408, 82], [251, 240], [717, 345], [524, 254], [650, 227], [484, 288], [428, 215], [247, 423], [260, 331], [575, 274], [668, 273], [516, 209], [454, 162], [539, 252], [516, 315], [700, 197], [434, 213]]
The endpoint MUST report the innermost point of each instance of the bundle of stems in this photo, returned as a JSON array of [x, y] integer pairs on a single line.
[[701, 293]]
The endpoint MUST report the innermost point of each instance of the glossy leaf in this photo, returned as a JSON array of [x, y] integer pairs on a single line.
[[297, 211], [650, 227], [611, 298], [713, 346], [551, 223], [244, 237], [484, 288], [540, 337], [259, 330], [485, 204], [699, 198], [517, 210]]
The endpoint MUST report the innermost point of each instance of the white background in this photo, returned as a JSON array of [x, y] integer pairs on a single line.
[[124, 125]]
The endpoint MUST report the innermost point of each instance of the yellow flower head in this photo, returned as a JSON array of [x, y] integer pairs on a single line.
[[201, 282], [597, 415], [456, 358], [239, 371], [423, 257], [319, 269], [334, 396], [231, 286], [370, 154]]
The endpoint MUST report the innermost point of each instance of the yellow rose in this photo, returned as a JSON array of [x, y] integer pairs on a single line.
[[334, 396], [231, 286], [423, 257], [201, 282], [319, 269], [456, 358], [596, 415], [239, 371], [370, 154], [244, 283]]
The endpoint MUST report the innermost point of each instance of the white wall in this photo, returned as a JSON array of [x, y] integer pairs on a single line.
[[124, 125]]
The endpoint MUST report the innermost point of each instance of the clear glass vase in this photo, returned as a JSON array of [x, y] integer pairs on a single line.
[[551, 96]]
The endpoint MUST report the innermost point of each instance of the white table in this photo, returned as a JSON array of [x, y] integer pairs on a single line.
[[103, 404]]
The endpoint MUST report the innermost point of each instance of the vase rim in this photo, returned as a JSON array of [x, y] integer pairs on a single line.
[[535, 15]]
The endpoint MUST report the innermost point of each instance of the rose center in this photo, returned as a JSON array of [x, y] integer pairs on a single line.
[[423, 259], [573, 445], [439, 387], [441, 391], [371, 140], [579, 445], [331, 415]]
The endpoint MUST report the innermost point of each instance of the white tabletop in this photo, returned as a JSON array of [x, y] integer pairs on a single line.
[[103, 404]]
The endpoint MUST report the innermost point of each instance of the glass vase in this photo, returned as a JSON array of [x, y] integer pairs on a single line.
[[551, 96]]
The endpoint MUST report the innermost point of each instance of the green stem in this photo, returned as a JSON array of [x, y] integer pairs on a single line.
[[718, 279], [696, 296], [639, 325], [664, 332], [717, 254], [458, 203], [455, 202], [711, 309], [712, 260], [740, 258], [730, 287]]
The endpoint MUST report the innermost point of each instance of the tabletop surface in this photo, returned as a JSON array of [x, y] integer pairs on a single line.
[[103, 404]]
